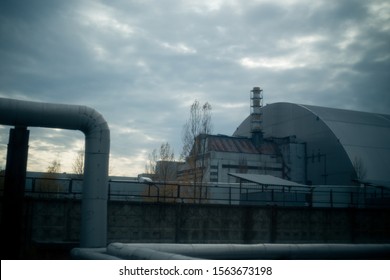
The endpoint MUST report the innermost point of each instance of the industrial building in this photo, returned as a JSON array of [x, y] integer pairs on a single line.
[[302, 143], [293, 142], [224, 154]]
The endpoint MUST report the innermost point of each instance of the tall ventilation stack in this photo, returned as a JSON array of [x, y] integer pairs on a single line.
[[256, 115]]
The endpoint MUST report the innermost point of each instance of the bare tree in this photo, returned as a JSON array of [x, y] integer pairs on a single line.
[[165, 169], [360, 169], [48, 182], [54, 167], [78, 164], [198, 124], [162, 166], [150, 167], [194, 137], [160, 163]]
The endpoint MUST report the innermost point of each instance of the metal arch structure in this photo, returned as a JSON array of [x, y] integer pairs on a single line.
[[338, 142], [97, 147]]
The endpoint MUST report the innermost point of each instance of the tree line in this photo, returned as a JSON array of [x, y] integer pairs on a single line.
[[161, 162]]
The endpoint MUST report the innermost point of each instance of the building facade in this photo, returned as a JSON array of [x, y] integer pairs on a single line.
[[223, 154], [301, 143]]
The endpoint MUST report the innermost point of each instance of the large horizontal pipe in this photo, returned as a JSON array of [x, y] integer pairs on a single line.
[[97, 147], [136, 254], [255, 251], [91, 254]]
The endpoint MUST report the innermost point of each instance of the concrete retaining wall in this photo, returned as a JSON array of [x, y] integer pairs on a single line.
[[51, 220]]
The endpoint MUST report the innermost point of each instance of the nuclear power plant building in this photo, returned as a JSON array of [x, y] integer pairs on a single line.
[[339, 146], [306, 144]]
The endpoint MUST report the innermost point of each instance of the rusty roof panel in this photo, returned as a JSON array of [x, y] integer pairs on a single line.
[[231, 144]]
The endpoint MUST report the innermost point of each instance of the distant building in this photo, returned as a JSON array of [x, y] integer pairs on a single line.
[[224, 154], [338, 146], [300, 143]]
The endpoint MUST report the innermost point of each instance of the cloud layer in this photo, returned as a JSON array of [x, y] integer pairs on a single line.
[[142, 64]]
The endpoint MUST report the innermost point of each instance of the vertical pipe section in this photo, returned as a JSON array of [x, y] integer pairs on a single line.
[[95, 194], [97, 148], [13, 200]]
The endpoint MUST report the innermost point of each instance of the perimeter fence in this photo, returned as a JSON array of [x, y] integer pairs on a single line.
[[215, 193]]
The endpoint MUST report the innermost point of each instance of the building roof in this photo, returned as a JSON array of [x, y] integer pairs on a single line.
[[363, 136], [266, 180], [223, 143]]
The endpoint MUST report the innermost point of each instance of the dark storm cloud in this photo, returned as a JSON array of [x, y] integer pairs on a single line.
[[142, 63]]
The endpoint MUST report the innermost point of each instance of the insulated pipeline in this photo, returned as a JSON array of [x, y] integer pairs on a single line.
[[97, 147]]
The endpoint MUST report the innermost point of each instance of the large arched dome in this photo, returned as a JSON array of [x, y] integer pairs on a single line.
[[341, 145]]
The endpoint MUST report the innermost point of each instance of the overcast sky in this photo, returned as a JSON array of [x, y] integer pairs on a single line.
[[142, 63]]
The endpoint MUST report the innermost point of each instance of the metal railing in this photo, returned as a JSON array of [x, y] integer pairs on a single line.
[[212, 193]]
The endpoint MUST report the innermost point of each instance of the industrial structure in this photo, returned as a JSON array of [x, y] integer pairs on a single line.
[[24, 114], [332, 146], [306, 144], [277, 157]]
